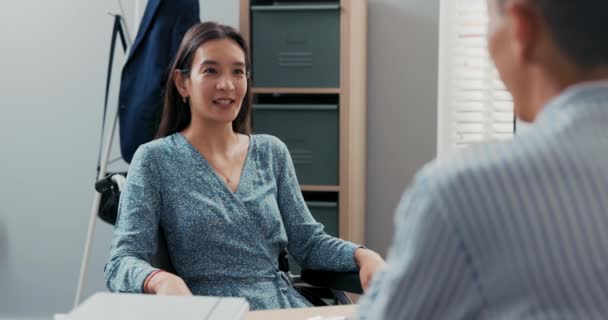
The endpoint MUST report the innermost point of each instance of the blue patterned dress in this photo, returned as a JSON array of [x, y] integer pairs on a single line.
[[222, 243]]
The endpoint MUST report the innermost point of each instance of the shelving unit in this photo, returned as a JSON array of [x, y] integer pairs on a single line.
[[293, 42], [297, 90]]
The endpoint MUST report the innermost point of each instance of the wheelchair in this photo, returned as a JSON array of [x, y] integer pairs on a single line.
[[319, 287]]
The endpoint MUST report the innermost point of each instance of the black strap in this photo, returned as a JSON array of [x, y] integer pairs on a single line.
[[116, 31]]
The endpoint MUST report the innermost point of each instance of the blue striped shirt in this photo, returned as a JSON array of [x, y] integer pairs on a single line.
[[511, 230]]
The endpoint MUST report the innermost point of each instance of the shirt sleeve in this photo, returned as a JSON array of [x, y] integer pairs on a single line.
[[135, 237], [308, 244], [429, 273]]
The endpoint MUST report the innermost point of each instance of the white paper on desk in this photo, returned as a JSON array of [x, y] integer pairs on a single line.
[[328, 318], [123, 306]]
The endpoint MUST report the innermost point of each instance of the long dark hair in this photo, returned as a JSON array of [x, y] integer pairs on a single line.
[[176, 115]]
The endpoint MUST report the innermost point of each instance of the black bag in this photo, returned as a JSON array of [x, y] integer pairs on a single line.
[[110, 195], [108, 209]]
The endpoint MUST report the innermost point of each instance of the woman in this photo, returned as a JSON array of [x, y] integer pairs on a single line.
[[228, 201]]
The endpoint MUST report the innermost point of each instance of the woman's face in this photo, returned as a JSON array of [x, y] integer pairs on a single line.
[[217, 82]]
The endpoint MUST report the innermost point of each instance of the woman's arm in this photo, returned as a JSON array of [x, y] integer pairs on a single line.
[[136, 233], [369, 263], [308, 244]]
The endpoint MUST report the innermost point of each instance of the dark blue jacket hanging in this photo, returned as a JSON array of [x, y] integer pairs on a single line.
[[143, 77]]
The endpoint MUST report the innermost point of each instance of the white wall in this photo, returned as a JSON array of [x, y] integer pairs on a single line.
[[53, 62], [224, 11], [402, 104]]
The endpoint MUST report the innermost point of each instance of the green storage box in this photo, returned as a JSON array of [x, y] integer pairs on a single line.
[[311, 134], [325, 213], [296, 45]]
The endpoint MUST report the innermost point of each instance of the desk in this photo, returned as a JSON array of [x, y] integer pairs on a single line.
[[302, 313]]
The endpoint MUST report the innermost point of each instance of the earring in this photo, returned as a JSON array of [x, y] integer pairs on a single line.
[[184, 100]]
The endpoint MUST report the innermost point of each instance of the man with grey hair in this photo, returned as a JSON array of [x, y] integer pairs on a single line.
[[516, 229]]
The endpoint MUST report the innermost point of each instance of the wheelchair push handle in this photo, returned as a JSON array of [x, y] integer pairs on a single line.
[[112, 182]]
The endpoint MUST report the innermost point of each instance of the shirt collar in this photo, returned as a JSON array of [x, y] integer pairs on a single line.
[[578, 94]]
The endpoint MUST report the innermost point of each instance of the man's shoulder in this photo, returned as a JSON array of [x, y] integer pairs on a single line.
[[492, 161]]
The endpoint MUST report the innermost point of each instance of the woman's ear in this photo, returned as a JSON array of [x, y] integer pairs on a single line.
[[180, 83]]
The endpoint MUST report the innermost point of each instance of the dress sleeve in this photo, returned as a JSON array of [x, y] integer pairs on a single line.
[[135, 237], [308, 244]]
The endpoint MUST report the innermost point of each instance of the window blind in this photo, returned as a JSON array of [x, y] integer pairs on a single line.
[[474, 106]]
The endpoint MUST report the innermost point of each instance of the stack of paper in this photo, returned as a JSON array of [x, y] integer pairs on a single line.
[[121, 306]]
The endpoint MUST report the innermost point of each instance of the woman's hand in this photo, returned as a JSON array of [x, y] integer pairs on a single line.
[[166, 284], [369, 263]]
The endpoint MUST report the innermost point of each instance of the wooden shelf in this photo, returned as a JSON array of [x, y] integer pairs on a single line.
[[352, 99], [320, 188], [297, 90]]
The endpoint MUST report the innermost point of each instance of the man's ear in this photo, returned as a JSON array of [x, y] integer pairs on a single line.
[[180, 83], [525, 29]]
